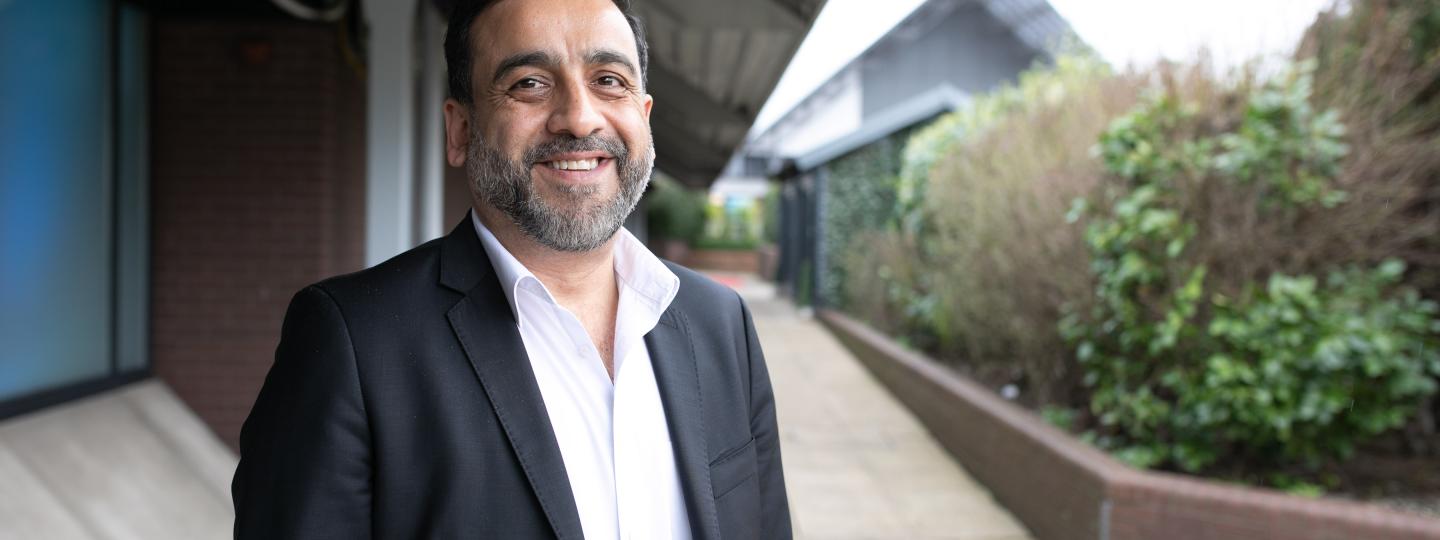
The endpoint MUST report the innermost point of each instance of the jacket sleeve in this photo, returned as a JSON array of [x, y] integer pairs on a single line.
[[774, 504], [305, 460]]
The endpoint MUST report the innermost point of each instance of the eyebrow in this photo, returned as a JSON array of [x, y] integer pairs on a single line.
[[610, 56], [516, 61]]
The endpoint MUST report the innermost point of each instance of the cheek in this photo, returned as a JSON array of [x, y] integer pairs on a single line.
[[633, 128], [510, 142]]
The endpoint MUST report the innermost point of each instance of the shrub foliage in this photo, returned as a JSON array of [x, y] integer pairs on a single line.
[[1294, 372], [673, 211], [977, 257]]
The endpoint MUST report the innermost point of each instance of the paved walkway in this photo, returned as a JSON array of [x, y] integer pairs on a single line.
[[133, 462], [857, 464]]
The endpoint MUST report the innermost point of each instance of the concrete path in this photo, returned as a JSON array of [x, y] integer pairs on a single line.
[[132, 463], [857, 464]]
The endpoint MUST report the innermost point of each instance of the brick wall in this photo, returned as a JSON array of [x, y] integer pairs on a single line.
[[1174, 507], [257, 190], [728, 260]]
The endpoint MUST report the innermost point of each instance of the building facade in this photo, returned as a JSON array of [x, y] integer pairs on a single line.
[[932, 62]]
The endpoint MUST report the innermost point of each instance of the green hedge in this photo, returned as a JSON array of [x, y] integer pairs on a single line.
[[859, 197], [1289, 372], [673, 211]]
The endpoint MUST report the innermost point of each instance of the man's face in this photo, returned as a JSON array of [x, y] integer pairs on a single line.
[[557, 137]]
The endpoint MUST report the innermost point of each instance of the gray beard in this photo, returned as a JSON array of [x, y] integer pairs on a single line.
[[579, 221]]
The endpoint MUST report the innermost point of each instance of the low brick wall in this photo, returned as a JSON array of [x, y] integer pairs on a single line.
[[727, 260], [1062, 488]]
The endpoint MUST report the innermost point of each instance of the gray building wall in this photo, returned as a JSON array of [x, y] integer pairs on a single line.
[[957, 42]]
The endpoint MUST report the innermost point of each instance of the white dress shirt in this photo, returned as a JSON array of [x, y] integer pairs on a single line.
[[612, 435]]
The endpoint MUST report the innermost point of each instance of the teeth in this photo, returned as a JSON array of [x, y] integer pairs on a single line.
[[576, 165]]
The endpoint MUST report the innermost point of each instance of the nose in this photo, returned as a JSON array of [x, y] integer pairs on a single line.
[[575, 113]]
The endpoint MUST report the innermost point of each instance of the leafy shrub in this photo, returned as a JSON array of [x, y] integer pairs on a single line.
[[1191, 371], [731, 226], [882, 278], [981, 257], [673, 211], [1313, 369], [771, 215], [1378, 65]]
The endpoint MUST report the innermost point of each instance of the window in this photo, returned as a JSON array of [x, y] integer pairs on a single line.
[[72, 199]]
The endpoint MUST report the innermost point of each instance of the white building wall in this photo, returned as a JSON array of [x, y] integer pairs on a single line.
[[832, 112], [390, 129], [430, 127]]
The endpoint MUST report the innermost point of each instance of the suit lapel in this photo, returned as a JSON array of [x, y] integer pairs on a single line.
[[673, 357], [485, 326]]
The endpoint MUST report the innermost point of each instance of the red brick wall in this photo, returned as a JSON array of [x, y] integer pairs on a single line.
[[257, 190], [1173, 507], [729, 260]]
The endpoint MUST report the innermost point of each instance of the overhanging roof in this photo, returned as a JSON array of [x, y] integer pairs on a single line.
[[712, 66], [941, 99], [1033, 23]]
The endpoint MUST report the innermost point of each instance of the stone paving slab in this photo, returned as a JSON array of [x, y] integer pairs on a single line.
[[132, 463], [857, 464]]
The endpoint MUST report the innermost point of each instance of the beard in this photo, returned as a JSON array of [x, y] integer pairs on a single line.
[[580, 219]]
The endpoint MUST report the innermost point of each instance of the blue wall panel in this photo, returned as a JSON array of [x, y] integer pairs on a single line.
[[55, 197]]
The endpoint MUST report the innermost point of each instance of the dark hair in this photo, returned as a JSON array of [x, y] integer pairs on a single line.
[[458, 49]]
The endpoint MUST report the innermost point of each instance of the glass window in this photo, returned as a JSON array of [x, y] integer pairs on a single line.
[[58, 229]]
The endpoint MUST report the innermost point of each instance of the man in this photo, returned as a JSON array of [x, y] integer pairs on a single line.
[[537, 373]]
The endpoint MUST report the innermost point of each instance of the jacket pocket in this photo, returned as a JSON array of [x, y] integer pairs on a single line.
[[736, 483], [733, 468]]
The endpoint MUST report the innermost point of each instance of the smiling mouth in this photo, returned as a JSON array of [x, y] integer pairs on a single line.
[[574, 164]]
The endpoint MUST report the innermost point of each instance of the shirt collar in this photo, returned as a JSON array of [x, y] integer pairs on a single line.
[[637, 270]]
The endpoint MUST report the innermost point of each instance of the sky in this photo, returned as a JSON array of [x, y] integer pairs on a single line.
[[1124, 32]]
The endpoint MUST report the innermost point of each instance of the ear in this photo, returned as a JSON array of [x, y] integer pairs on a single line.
[[457, 132], [646, 104]]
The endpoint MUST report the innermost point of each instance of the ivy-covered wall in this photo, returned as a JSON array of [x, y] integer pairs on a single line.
[[859, 197]]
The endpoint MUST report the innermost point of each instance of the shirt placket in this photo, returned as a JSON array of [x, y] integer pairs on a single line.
[[573, 345]]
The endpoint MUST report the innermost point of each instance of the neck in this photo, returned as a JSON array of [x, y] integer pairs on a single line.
[[574, 278]]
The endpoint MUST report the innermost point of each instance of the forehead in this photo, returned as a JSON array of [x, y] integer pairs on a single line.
[[568, 29]]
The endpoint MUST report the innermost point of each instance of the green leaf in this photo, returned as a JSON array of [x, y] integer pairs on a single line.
[[1078, 207]]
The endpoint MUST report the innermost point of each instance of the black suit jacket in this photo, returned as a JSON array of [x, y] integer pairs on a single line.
[[402, 405]]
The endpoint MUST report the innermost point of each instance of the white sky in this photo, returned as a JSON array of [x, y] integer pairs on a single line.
[[1125, 32]]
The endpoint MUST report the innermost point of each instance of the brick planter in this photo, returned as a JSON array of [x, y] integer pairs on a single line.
[[1062, 488], [728, 260]]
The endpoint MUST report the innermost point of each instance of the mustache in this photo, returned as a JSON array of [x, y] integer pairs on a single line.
[[568, 143]]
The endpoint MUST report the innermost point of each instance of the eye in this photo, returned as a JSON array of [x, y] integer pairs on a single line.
[[528, 83], [610, 86]]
